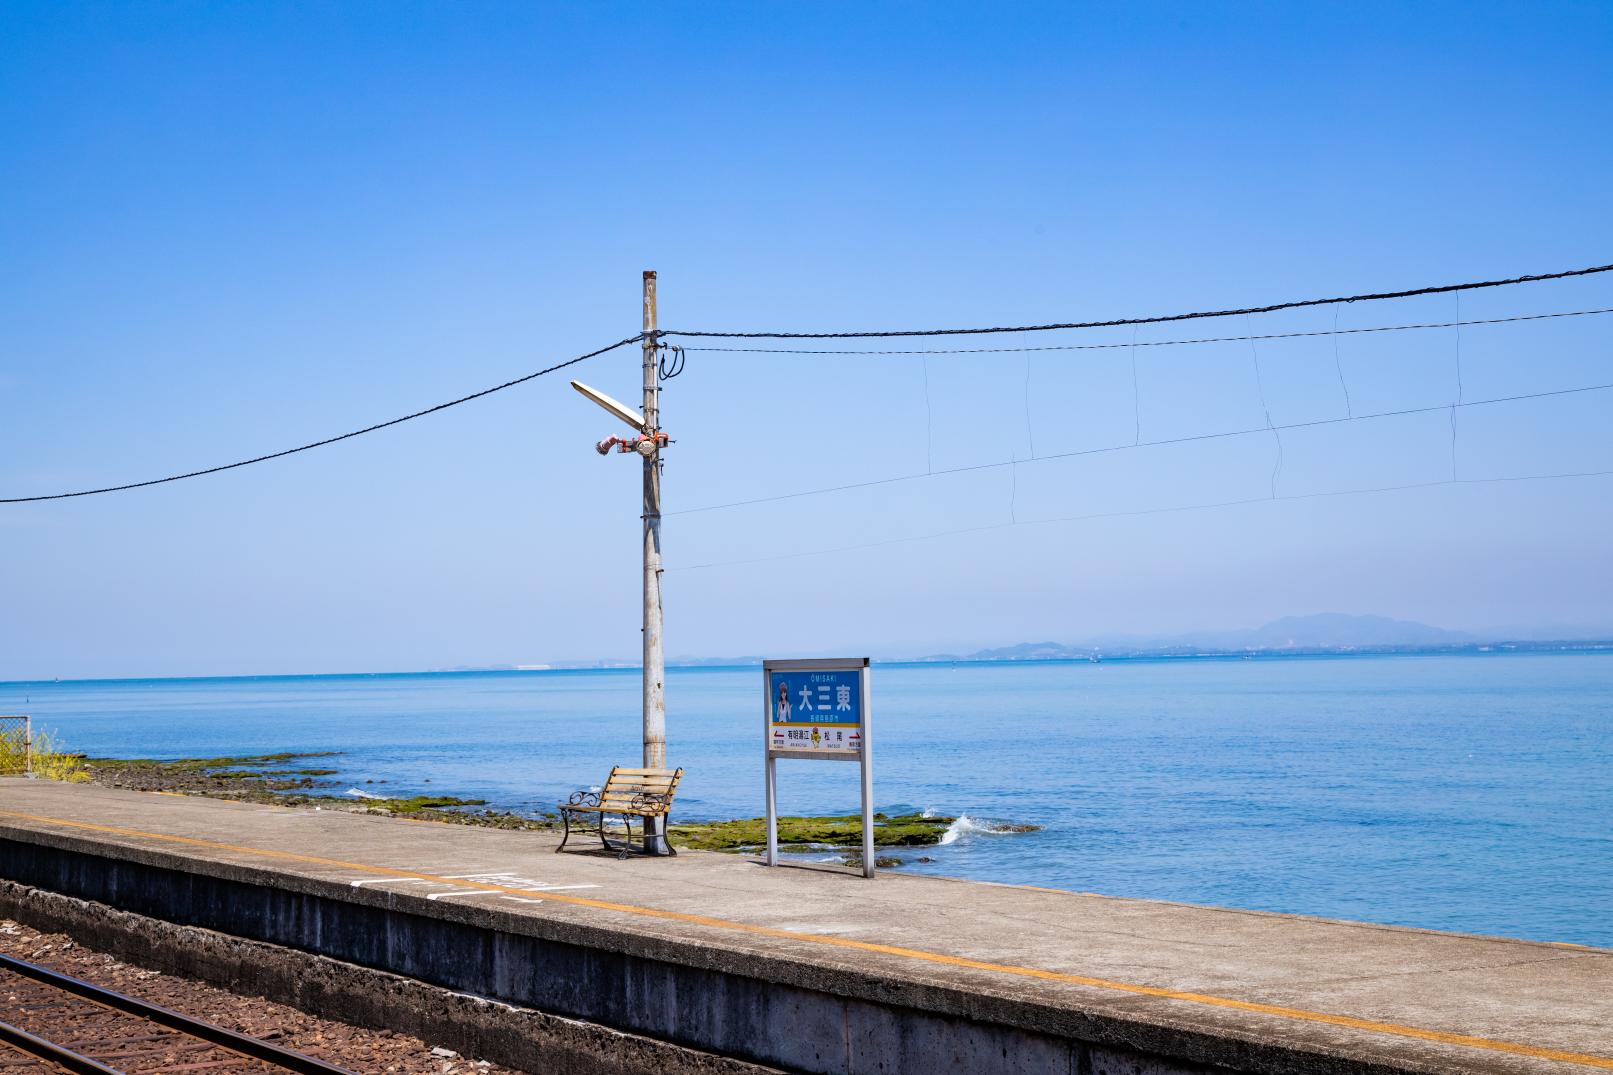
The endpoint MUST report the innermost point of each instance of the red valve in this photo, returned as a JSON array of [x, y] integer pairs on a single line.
[[644, 444]]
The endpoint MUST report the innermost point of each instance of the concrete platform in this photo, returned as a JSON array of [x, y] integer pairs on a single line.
[[817, 969]]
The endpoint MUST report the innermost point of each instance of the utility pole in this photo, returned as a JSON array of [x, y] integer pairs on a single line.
[[647, 442], [654, 656]]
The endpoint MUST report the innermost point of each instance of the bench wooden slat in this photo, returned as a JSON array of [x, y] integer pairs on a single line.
[[624, 809], [626, 789], [608, 809]]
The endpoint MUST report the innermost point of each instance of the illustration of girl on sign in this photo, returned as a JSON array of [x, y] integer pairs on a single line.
[[783, 712]]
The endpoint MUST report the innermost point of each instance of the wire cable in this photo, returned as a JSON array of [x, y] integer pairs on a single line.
[[1442, 289], [1265, 408], [1191, 438], [1241, 502], [327, 440], [1335, 332], [676, 366], [671, 361], [1338, 363]]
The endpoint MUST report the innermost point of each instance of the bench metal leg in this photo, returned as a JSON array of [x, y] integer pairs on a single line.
[[625, 848], [604, 838], [565, 816]]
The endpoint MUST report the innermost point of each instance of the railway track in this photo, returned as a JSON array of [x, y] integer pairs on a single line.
[[51, 1022]]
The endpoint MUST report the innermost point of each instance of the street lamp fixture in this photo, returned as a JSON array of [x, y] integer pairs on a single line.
[[614, 406]]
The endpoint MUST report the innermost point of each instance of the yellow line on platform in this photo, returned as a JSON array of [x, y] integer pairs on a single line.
[[1300, 1014]]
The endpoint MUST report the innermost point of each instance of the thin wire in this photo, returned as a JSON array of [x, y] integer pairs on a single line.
[[1136, 394], [929, 426], [1338, 363], [1166, 442], [1453, 441], [1266, 309], [1242, 502], [1457, 324], [1458, 297], [671, 362], [1260, 388], [1013, 491], [328, 440], [1154, 343]]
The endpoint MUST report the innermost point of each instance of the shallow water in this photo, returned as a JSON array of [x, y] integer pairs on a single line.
[[1470, 793]]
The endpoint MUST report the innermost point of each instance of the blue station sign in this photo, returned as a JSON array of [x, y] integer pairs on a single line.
[[815, 710], [818, 710]]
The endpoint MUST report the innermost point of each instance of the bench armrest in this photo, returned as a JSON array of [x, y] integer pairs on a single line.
[[652, 802], [582, 798]]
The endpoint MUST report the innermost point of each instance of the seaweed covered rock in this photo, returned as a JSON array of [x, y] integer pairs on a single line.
[[801, 833]]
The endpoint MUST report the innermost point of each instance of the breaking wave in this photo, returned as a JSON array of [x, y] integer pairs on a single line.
[[974, 826]]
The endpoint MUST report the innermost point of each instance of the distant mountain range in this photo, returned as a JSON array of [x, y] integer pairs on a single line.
[[1328, 632], [1324, 633]]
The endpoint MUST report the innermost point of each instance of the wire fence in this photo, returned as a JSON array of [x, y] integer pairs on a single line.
[[16, 746]]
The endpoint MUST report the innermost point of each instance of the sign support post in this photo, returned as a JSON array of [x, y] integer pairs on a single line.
[[818, 710], [867, 782]]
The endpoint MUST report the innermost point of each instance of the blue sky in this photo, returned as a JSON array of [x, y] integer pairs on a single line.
[[232, 228]]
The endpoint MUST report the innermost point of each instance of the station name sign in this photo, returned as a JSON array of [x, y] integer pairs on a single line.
[[816, 711]]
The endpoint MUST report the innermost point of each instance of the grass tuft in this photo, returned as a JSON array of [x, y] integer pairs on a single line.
[[49, 761]]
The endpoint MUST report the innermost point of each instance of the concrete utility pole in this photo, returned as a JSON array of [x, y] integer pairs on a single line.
[[654, 657], [647, 442]]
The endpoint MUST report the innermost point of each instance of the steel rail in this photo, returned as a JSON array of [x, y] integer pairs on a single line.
[[40, 1049], [254, 1048]]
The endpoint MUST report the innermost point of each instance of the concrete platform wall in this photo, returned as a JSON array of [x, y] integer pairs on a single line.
[[718, 1011], [513, 1036]]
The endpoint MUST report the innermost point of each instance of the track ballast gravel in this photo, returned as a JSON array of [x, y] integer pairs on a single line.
[[357, 1048]]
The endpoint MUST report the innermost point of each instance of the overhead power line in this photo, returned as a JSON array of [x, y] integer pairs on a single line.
[[1170, 510], [1159, 319], [659, 335], [328, 440], [1149, 343], [1191, 438]]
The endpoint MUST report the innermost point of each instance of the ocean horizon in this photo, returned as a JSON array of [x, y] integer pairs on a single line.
[[1468, 791], [1474, 649]]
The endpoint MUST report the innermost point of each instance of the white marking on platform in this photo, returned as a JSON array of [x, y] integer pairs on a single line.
[[465, 892], [476, 876], [502, 880]]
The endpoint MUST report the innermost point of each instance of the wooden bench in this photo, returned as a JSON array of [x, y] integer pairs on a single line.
[[628, 793]]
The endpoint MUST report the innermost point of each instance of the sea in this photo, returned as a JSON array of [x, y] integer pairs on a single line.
[[1467, 792]]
